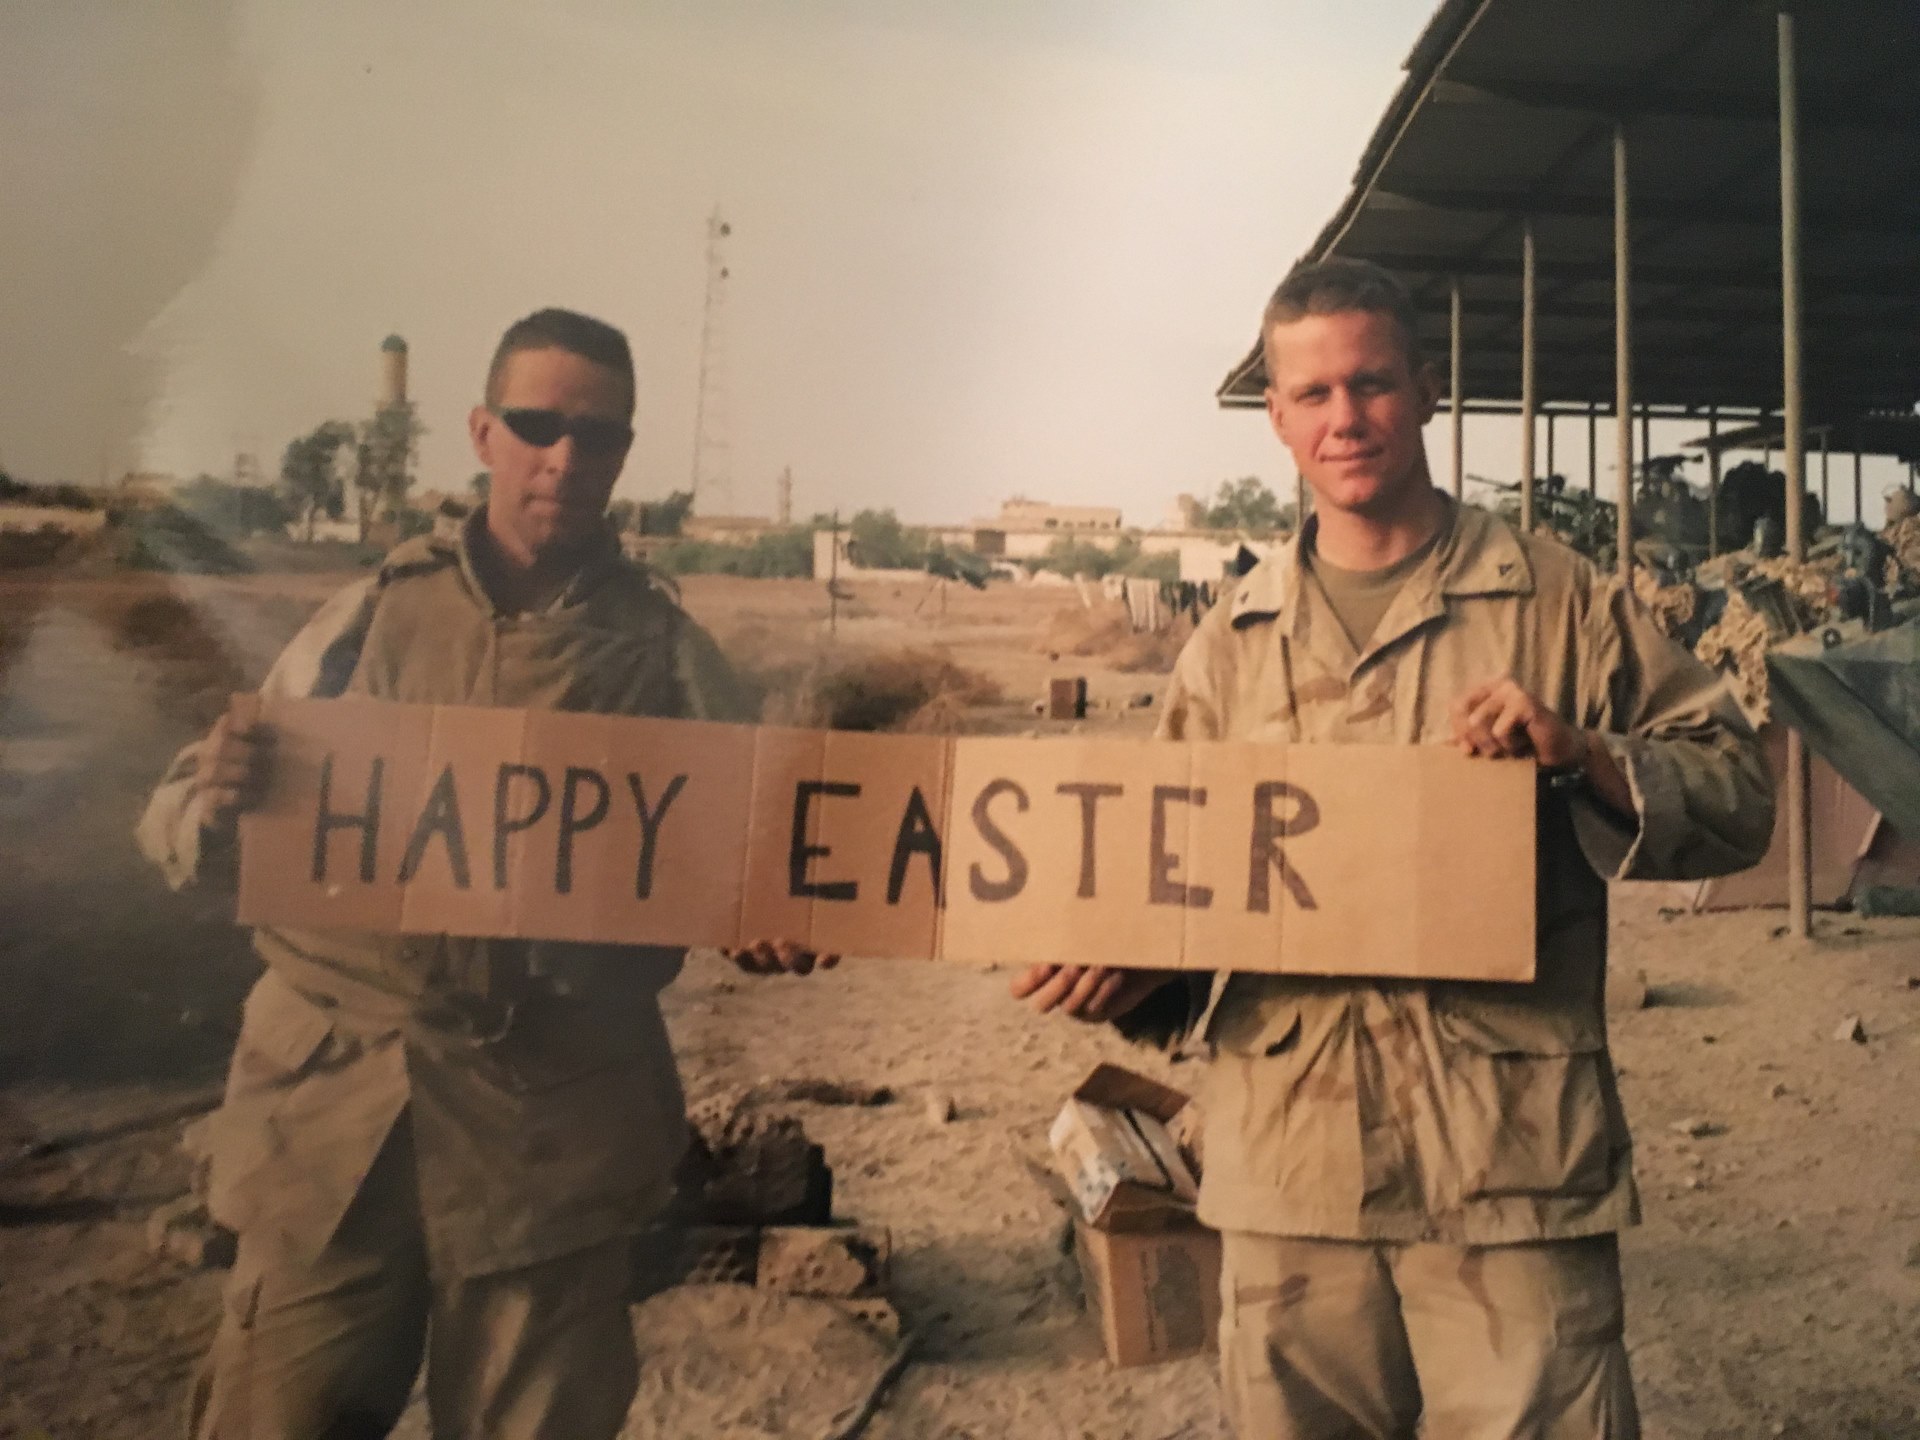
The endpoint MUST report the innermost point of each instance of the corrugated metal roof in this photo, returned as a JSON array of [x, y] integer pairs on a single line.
[[1508, 111], [1895, 435]]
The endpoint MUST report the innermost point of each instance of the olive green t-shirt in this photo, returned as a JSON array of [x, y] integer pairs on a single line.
[[1359, 599]]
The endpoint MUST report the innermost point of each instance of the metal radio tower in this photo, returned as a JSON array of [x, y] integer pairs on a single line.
[[711, 480]]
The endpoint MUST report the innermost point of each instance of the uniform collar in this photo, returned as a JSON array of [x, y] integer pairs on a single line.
[[601, 557], [1481, 556]]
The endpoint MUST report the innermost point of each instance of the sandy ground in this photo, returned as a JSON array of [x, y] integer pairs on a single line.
[[1773, 1291]]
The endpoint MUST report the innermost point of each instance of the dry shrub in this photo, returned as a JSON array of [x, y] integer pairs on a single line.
[[196, 664], [158, 622], [773, 662], [1087, 631], [1151, 652], [1105, 632], [913, 691], [25, 549]]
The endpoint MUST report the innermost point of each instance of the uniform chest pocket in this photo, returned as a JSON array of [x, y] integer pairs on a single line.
[[1528, 1099]]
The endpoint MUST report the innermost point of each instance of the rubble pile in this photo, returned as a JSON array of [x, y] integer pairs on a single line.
[[754, 1206]]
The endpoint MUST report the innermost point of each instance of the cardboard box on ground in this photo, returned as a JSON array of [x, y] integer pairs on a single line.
[[1126, 1149]]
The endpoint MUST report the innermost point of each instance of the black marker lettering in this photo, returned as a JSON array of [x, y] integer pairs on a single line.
[[1016, 881], [503, 825], [650, 828], [1162, 888], [440, 816], [917, 836], [572, 822], [1091, 794], [1269, 854], [325, 821], [802, 855]]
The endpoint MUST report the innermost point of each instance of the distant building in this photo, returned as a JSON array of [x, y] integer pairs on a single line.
[[726, 529], [1020, 513], [144, 488]]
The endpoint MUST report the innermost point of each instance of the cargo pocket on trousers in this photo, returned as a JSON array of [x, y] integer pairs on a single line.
[[1530, 1111], [553, 1043], [281, 1033], [1249, 1027]]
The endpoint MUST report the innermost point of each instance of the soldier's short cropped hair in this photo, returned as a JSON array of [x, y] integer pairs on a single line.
[[1341, 286], [567, 330]]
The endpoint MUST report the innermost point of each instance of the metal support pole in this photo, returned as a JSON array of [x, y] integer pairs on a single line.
[[1552, 415], [1713, 481], [1859, 515], [1794, 438], [1646, 433], [1622, 356], [1826, 494], [1459, 400], [1528, 400], [1593, 449]]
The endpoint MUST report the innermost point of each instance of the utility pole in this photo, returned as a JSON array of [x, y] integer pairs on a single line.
[[710, 442], [786, 496], [833, 579]]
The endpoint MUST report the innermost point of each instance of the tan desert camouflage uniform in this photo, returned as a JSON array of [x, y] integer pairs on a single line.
[[1458, 1114], [525, 1094]]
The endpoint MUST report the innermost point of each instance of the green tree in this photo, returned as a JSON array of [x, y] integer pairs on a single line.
[[310, 473], [665, 517], [622, 514], [876, 540], [1245, 505], [777, 555], [232, 509], [389, 444], [480, 487], [1070, 555]]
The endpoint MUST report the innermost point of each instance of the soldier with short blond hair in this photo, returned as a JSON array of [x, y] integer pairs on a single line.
[[1419, 1183]]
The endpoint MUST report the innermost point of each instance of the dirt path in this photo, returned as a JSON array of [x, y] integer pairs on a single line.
[[1774, 1290]]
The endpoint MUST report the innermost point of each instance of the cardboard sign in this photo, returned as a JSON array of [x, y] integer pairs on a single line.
[[1409, 861]]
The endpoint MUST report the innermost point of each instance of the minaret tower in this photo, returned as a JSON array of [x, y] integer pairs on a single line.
[[393, 372]]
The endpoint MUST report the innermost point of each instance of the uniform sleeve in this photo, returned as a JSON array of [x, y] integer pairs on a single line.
[[1702, 795], [1192, 708], [317, 661], [712, 687]]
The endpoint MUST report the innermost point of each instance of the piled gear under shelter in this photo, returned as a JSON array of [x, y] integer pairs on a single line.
[[1731, 608]]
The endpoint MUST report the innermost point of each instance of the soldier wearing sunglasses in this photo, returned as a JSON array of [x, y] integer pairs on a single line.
[[431, 1129]]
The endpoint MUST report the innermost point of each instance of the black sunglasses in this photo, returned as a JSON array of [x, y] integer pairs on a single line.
[[541, 428]]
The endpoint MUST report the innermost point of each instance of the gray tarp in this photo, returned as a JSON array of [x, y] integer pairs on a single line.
[[1858, 705]]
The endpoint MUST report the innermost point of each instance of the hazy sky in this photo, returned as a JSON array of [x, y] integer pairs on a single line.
[[978, 248]]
